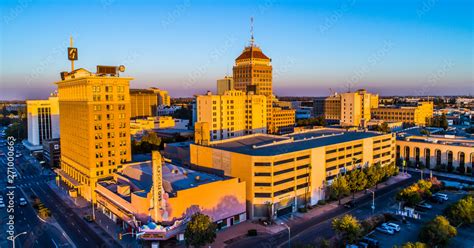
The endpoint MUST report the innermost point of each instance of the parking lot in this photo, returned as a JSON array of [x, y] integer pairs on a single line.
[[410, 230]]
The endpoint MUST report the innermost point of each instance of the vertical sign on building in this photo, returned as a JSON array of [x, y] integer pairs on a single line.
[[159, 205]]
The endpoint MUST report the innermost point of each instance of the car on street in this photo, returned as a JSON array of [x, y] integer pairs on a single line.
[[88, 218], [424, 205], [385, 230], [394, 226], [2, 205], [436, 199], [373, 243], [23, 202], [441, 195], [349, 204]]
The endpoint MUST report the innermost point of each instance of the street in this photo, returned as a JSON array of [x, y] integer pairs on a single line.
[[66, 229]]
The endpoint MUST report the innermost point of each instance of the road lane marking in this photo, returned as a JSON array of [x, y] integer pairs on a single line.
[[54, 243]]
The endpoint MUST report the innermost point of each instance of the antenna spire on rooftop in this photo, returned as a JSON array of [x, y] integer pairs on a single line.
[[251, 31]]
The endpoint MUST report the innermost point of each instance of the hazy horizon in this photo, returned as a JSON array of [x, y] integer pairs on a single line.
[[391, 48]]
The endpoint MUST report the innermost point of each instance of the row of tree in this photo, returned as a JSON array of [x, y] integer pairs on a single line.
[[360, 179], [418, 191], [316, 121]]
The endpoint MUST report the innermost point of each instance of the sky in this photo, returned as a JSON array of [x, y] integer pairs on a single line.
[[404, 47]]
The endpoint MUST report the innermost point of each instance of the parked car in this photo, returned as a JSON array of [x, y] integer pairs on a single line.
[[442, 196], [373, 243], [2, 205], [394, 226], [362, 245], [385, 230], [23, 202], [436, 199], [349, 204], [424, 205]]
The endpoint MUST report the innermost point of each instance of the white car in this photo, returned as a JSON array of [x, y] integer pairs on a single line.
[[23, 202], [385, 230], [394, 226], [2, 205], [441, 195]]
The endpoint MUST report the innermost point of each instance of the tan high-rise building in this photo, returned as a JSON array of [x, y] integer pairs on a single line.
[[355, 108], [233, 114], [328, 107], [225, 84], [252, 72], [145, 102], [94, 124]]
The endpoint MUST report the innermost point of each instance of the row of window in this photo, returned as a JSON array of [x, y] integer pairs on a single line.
[[280, 192]]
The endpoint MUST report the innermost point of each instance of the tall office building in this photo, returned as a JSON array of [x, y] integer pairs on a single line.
[[43, 122], [94, 122], [355, 108], [328, 107], [232, 114], [145, 102], [252, 72], [225, 84]]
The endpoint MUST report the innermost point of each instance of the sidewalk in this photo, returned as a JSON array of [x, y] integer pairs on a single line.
[[239, 231], [443, 174], [104, 226]]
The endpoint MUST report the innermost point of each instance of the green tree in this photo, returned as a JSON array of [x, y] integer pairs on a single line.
[[382, 128], [357, 181], [437, 232], [461, 212], [339, 188], [347, 228], [200, 231], [414, 245]]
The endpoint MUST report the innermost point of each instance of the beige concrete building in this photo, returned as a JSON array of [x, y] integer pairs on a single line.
[[145, 102], [418, 115], [43, 122], [94, 123], [225, 84], [328, 107], [435, 151], [355, 108], [283, 173], [232, 114]]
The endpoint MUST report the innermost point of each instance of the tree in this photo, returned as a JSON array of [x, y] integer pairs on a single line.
[[461, 212], [357, 181], [200, 230], [379, 174], [348, 228], [382, 128], [437, 232], [414, 245], [372, 176], [339, 188]]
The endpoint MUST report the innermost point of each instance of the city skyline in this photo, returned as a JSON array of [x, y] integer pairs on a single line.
[[421, 48]]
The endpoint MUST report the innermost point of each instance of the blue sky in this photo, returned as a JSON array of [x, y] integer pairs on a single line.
[[422, 47]]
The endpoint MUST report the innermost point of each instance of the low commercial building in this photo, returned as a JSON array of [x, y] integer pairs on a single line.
[[43, 122], [145, 102], [52, 152], [225, 84], [283, 120], [159, 122], [419, 114], [435, 151], [283, 173], [156, 198]]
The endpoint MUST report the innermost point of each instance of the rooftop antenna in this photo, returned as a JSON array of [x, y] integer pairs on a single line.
[[251, 31]]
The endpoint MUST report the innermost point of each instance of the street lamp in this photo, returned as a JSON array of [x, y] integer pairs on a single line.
[[289, 233], [16, 236], [373, 200]]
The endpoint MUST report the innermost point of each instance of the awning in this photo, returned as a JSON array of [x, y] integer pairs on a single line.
[[68, 178]]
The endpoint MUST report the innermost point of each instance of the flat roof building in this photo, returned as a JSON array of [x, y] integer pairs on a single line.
[[154, 191], [287, 172], [43, 122], [419, 114]]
